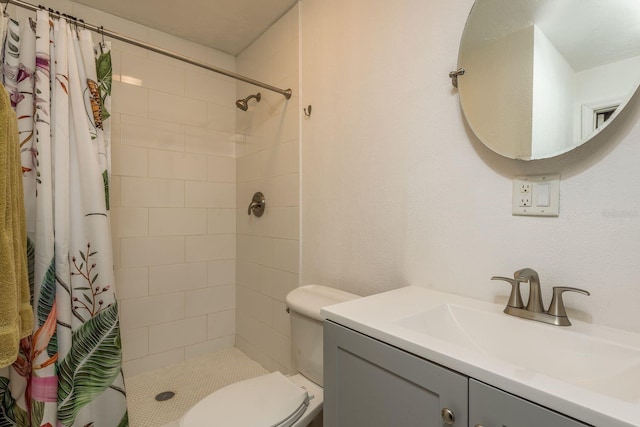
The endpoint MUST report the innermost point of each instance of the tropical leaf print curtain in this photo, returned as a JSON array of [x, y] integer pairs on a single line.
[[69, 371]]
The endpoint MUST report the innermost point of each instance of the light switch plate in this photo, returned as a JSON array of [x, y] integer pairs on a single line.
[[536, 195]]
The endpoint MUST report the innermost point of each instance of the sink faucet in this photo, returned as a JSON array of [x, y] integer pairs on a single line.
[[556, 315], [535, 294]]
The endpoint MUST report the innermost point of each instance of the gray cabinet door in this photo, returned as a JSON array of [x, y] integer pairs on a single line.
[[368, 383], [489, 407]]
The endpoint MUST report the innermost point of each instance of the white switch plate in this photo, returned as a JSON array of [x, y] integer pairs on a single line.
[[536, 195]]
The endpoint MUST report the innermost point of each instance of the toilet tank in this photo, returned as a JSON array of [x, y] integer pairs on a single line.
[[304, 304]]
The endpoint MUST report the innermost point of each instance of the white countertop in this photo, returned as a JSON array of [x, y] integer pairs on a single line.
[[380, 316]]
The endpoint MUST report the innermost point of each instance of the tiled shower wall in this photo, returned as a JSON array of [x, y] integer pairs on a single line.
[[173, 195], [268, 161], [174, 211]]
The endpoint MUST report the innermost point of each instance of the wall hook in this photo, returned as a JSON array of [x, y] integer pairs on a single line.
[[307, 111]]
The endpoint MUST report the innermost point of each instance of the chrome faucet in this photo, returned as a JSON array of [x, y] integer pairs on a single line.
[[556, 315]]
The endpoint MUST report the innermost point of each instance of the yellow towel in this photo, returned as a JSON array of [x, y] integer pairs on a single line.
[[16, 314]]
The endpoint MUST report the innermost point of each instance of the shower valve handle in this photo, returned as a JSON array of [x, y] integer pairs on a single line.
[[257, 205]]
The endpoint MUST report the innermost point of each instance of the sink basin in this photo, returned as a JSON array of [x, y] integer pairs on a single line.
[[588, 361]]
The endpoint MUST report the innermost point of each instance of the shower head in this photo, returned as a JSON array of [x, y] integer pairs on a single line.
[[243, 104]]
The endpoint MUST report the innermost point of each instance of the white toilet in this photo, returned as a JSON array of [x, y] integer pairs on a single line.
[[275, 400]]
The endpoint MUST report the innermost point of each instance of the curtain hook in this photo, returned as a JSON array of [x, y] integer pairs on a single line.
[[103, 44]]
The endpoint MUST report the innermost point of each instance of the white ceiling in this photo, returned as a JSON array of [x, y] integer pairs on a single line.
[[227, 25]]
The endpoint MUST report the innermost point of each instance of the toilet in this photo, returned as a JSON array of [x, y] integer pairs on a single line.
[[277, 400]]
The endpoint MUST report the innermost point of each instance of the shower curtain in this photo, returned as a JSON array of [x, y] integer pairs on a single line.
[[68, 372]]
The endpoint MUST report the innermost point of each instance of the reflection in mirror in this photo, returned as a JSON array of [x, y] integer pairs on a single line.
[[544, 76]]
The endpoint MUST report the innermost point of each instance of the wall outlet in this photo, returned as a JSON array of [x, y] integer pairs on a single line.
[[536, 195], [525, 187]]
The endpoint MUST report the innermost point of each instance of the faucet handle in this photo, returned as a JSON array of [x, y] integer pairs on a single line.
[[556, 308], [515, 299]]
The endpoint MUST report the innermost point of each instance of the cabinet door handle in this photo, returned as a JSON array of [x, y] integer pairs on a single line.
[[447, 416], [478, 425]]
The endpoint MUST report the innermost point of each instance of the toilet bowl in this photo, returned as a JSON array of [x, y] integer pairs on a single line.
[[276, 400]]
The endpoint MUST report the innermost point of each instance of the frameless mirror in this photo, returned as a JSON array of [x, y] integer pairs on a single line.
[[543, 77]]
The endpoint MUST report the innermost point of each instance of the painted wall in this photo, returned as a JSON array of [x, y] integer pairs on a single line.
[[396, 190], [606, 84], [268, 161], [501, 68], [173, 196], [554, 92]]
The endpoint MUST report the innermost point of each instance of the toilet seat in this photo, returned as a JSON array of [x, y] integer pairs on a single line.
[[270, 400]]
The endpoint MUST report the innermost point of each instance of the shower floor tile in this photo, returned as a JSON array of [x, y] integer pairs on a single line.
[[191, 381]]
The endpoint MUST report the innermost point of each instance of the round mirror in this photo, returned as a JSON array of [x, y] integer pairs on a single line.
[[544, 76]]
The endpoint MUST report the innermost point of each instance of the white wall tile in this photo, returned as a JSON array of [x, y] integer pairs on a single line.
[[132, 283], [221, 59], [151, 192], [171, 335], [130, 99], [163, 133], [145, 251], [210, 195], [220, 324], [177, 109], [153, 74], [286, 255], [210, 87], [114, 192], [144, 132], [281, 319], [278, 160], [256, 249], [139, 366], [222, 272], [248, 274], [221, 117], [177, 278], [268, 161], [173, 165], [177, 221], [210, 300], [277, 283], [221, 221], [281, 223], [209, 346], [284, 190], [135, 343], [139, 312], [128, 161], [210, 141], [206, 248], [115, 241], [129, 222], [278, 346], [221, 169], [255, 304]]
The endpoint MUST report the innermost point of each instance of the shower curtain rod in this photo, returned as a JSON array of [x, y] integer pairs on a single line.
[[101, 30]]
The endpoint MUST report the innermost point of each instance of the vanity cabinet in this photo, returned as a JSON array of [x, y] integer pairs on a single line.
[[489, 406], [370, 383]]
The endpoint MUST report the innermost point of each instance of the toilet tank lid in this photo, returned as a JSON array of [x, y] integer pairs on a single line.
[[308, 300]]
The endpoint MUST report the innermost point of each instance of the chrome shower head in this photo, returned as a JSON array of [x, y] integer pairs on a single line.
[[243, 104]]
